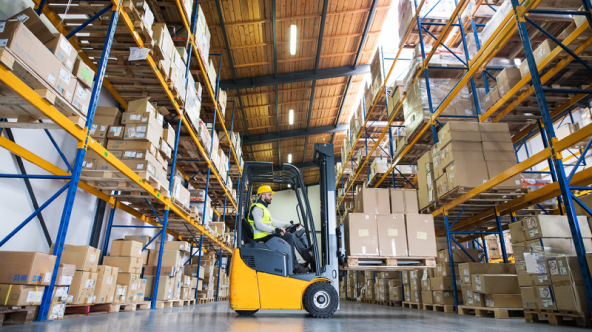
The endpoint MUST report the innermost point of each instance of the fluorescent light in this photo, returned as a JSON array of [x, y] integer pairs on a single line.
[[289, 186], [290, 158], [291, 117], [293, 39]]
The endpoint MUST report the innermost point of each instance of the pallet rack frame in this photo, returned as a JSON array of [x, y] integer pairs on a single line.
[[561, 187], [85, 142]]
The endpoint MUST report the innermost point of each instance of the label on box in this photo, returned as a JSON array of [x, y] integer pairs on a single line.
[[2, 25], [477, 279], [141, 129], [121, 291], [139, 155], [64, 45], [134, 286], [135, 117], [144, 119], [109, 280], [61, 291], [81, 93], [69, 63], [547, 303], [88, 284], [422, 235], [50, 78], [22, 17], [393, 232], [68, 95], [131, 132], [140, 166], [92, 258], [489, 303], [533, 232], [137, 53], [116, 130], [542, 278], [64, 75], [364, 232], [129, 154], [70, 298], [67, 280], [4, 42], [103, 128]]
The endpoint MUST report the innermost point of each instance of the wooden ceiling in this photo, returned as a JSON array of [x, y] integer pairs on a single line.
[[249, 29]]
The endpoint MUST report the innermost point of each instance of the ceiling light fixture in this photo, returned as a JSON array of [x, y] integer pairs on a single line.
[[293, 39], [290, 158], [291, 117]]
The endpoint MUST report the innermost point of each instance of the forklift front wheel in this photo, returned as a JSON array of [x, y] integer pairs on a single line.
[[246, 312], [320, 299]]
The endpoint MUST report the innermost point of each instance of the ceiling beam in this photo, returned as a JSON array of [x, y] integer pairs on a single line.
[[294, 101], [294, 133], [305, 146], [303, 76], [319, 86], [365, 34], [312, 93], [343, 101], [265, 63]]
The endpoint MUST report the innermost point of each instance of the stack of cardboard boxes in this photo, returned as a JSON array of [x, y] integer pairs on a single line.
[[50, 56], [387, 223], [197, 199], [489, 285], [548, 272], [208, 265], [172, 278], [86, 260], [23, 277], [412, 283], [126, 255], [388, 286], [467, 154], [60, 294]]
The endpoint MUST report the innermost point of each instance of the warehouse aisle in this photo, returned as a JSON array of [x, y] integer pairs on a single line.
[[353, 317]]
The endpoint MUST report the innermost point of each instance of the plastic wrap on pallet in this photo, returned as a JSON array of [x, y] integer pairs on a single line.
[[472, 44], [496, 20], [197, 199]]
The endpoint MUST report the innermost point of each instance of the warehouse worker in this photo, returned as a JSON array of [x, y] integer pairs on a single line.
[[264, 226]]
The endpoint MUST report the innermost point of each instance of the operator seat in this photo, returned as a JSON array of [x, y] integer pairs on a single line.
[[270, 254]]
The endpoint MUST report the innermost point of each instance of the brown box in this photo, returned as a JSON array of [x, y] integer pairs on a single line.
[[517, 232], [467, 293], [371, 200], [507, 79], [115, 132], [63, 50], [140, 106], [81, 98], [84, 73], [167, 271], [421, 237], [503, 300], [478, 299], [142, 132], [86, 258], [133, 283], [82, 289], [56, 310], [106, 284], [392, 237], [144, 239], [495, 132], [529, 298], [66, 83], [544, 297], [24, 44], [169, 257], [443, 270], [539, 226], [126, 248], [568, 286], [458, 256], [441, 283], [191, 270], [403, 201], [108, 115], [458, 151], [494, 168], [495, 283], [361, 234], [443, 297], [426, 297], [468, 269], [18, 295], [125, 264], [442, 185], [65, 274], [165, 289], [129, 146], [498, 151], [120, 293], [26, 268], [459, 131], [491, 98], [34, 23], [465, 173]]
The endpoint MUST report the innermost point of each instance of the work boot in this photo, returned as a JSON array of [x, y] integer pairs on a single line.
[[300, 270]]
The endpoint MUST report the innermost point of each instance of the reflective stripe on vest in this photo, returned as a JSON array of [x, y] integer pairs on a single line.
[[257, 234]]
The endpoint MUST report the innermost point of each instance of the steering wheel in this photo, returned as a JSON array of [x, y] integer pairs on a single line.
[[293, 227]]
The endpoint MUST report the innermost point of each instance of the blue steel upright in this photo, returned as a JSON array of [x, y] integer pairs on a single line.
[[552, 140], [81, 151]]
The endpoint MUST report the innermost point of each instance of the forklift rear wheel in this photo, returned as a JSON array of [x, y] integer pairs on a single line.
[[321, 299], [246, 312]]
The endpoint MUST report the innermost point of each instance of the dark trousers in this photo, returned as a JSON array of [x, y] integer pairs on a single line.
[[289, 238]]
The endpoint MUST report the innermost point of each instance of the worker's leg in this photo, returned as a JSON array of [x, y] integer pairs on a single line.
[[288, 237]]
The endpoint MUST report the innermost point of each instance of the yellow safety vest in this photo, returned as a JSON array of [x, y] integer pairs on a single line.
[[257, 234]]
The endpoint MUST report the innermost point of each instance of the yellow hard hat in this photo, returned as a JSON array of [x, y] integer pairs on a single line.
[[264, 189]]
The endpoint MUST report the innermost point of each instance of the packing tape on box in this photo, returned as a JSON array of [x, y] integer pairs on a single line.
[[8, 295]]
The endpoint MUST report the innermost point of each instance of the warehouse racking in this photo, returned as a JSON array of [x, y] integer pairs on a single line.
[[487, 219], [180, 224]]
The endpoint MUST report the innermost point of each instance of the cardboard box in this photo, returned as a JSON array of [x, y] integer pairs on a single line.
[[66, 83], [467, 293], [167, 271], [421, 237], [126, 248], [132, 146], [495, 283], [191, 270], [23, 43], [81, 99], [403, 201], [361, 234], [26, 268], [441, 283], [125, 264], [491, 98], [539, 226], [392, 236], [34, 23], [133, 283], [120, 293], [426, 297], [544, 297], [468, 269], [529, 298], [443, 270], [169, 257], [143, 132], [459, 131], [371, 200], [442, 185], [458, 256], [82, 289], [568, 286], [443, 297], [499, 151], [517, 232], [19, 295], [503, 300], [99, 130], [495, 132], [84, 73], [65, 274], [115, 132], [56, 311], [106, 284], [494, 168], [143, 239], [107, 115], [478, 299], [63, 50], [507, 79], [466, 173], [165, 289], [86, 258]]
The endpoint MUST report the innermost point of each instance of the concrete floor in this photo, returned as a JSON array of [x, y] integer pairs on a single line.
[[352, 317]]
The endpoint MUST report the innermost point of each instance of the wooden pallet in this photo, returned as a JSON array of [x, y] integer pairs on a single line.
[[81, 310], [17, 314], [139, 25], [491, 312], [557, 318], [411, 305], [133, 306], [383, 263], [394, 303], [188, 302], [448, 308], [164, 304]]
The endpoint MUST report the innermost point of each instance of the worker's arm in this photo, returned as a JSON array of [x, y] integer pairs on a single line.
[[281, 224], [257, 214]]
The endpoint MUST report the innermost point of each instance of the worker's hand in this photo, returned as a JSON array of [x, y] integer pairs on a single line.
[[282, 231]]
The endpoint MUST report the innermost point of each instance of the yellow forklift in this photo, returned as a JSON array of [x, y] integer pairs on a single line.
[[261, 272]]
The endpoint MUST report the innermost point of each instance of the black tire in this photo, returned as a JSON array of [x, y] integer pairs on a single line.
[[246, 312], [321, 299]]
